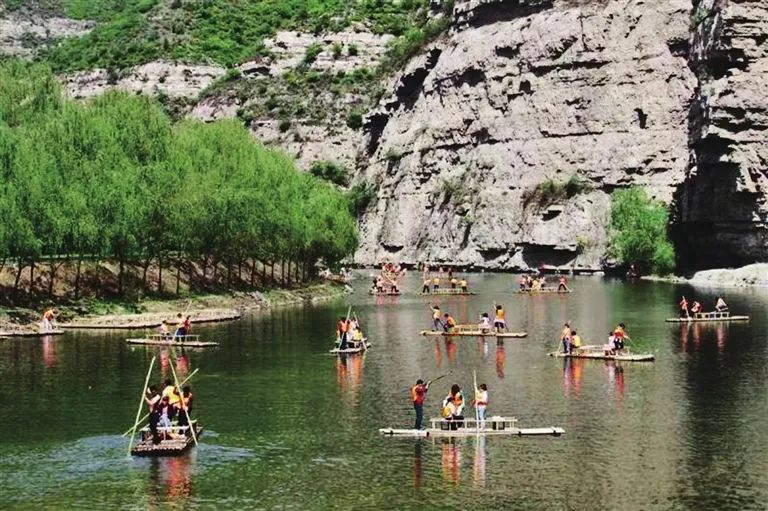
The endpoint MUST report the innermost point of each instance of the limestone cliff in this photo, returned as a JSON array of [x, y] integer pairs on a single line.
[[722, 203], [519, 93]]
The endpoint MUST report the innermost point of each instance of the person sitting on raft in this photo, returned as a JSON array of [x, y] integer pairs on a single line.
[[163, 331], [609, 349], [535, 285], [437, 322], [721, 306], [565, 338], [453, 406], [575, 343], [696, 307], [521, 282], [485, 323], [500, 321], [448, 323], [464, 285], [684, 308], [454, 282]]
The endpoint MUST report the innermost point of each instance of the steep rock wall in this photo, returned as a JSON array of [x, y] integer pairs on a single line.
[[521, 92], [723, 214]]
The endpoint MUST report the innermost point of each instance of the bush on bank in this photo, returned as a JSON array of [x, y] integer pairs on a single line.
[[638, 231]]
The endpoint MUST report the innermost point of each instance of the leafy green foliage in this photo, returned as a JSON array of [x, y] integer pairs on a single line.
[[355, 120], [402, 49], [639, 231], [311, 53], [330, 171], [114, 178], [227, 32], [550, 191], [360, 197]]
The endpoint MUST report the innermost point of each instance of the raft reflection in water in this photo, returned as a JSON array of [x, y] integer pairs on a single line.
[[170, 480]]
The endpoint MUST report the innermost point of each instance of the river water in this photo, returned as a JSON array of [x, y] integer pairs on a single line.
[[289, 426]]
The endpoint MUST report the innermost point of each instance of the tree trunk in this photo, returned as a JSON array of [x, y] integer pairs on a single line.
[[272, 266], [52, 278], [77, 278], [205, 266], [178, 274], [31, 277], [144, 275], [229, 272], [253, 272], [282, 271], [18, 277], [160, 274], [120, 272], [240, 270]]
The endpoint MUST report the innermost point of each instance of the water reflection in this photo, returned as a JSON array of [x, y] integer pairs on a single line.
[[48, 343], [451, 461], [615, 376], [500, 358], [417, 469], [478, 468], [349, 375], [693, 334], [573, 369], [170, 480]]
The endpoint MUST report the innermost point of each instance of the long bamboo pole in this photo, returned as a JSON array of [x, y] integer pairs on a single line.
[[181, 398], [147, 415], [477, 412], [141, 404]]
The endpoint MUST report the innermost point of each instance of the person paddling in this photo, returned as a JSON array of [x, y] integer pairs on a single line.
[[449, 323], [565, 338], [418, 392], [500, 321], [437, 323], [481, 403], [684, 308]]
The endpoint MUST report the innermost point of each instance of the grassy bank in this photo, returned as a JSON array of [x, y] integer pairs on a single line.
[[97, 311]]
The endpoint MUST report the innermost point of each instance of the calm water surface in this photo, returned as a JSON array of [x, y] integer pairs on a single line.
[[288, 426]]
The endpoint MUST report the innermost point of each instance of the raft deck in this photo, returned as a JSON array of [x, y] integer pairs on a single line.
[[190, 341], [351, 351], [708, 316], [494, 426], [167, 447], [473, 333], [449, 291], [544, 290], [597, 353], [384, 293]]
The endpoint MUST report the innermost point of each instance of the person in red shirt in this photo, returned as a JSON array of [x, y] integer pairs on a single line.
[[417, 396], [684, 308], [696, 307]]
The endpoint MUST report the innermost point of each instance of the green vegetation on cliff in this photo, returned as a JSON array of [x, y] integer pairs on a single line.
[[114, 179], [638, 231], [227, 32]]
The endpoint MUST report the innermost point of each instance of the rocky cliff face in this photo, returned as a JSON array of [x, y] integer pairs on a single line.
[[522, 93], [722, 203]]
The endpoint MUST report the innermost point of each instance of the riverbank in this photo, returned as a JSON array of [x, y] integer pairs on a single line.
[[150, 313], [752, 275]]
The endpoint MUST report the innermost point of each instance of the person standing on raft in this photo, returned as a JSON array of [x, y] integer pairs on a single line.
[[565, 338], [721, 306], [437, 323], [562, 284], [418, 392], [481, 403], [500, 321], [684, 308], [342, 329]]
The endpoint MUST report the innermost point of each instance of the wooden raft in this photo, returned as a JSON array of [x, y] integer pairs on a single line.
[[351, 351], [493, 426], [449, 291], [708, 316], [384, 293], [190, 341], [597, 353], [543, 290], [166, 447], [466, 332]]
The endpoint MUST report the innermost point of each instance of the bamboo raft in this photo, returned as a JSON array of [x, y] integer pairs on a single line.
[[543, 290], [494, 426], [708, 316], [384, 293], [30, 334], [598, 353], [351, 351], [189, 341], [449, 291], [167, 446], [473, 333]]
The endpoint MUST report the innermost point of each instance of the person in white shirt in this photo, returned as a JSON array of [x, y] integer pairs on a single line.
[[481, 403], [485, 323]]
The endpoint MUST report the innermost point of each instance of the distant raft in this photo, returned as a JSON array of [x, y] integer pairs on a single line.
[[708, 316], [473, 333], [357, 348], [598, 353], [449, 291], [376, 292], [189, 341], [543, 290], [492, 426], [176, 440]]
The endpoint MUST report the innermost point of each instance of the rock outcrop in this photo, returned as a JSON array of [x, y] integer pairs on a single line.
[[519, 94], [751, 275], [23, 32], [723, 214]]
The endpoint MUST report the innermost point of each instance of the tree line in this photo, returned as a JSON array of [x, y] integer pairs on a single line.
[[114, 179]]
